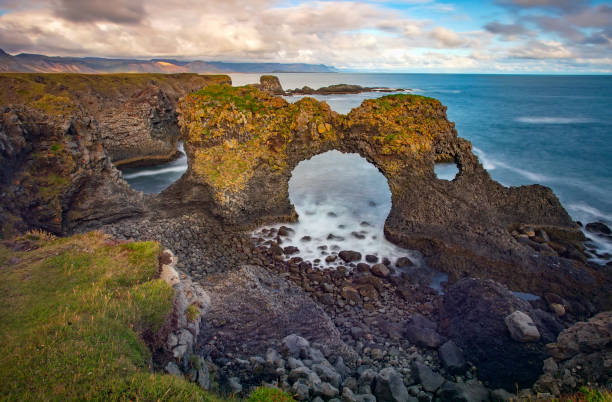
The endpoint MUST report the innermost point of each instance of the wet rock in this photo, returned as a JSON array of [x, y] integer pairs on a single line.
[[331, 258], [452, 357], [521, 327], [430, 380], [306, 239], [380, 270], [365, 224], [358, 235], [285, 231], [362, 267], [291, 250], [371, 258], [466, 392], [333, 237], [598, 228], [390, 386], [349, 255], [403, 262]]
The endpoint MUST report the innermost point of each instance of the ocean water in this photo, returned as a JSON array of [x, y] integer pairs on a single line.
[[550, 130]]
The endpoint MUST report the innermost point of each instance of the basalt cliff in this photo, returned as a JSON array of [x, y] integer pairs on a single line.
[[61, 136], [358, 332]]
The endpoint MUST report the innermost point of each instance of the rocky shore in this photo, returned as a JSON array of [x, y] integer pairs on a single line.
[[362, 329]]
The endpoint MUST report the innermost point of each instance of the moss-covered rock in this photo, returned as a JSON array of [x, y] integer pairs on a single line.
[[243, 143], [136, 112]]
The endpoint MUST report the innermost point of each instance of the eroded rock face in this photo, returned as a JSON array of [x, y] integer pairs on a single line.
[[61, 133], [135, 114], [243, 144], [55, 175], [252, 308]]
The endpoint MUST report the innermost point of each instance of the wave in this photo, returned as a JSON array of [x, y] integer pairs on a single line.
[[491, 164], [592, 212], [154, 172], [553, 120]]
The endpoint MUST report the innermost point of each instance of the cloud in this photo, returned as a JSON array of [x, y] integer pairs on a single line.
[[565, 5], [507, 30], [541, 50], [447, 38], [116, 11], [345, 33]]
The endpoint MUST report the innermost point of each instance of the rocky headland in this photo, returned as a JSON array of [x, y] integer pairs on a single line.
[[355, 333]]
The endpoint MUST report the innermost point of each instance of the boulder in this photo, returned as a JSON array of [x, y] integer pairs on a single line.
[[430, 380], [421, 331], [452, 357], [598, 228], [521, 327], [390, 386], [473, 315], [403, 262], [463, 392], [295, 346], [581, 355], [349, 255], [380, 270]]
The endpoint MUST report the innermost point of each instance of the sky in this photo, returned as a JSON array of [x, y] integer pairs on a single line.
[[494, 36]]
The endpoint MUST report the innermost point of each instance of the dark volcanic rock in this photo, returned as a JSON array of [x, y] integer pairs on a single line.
[[473, 314], [422, 331], [462, 227], [452, 357], [466, 392], [71, 181], [349, 255], [251, 308], [598, 228], [585, 351]]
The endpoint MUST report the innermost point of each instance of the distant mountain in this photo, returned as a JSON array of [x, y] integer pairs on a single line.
[[38, 63]]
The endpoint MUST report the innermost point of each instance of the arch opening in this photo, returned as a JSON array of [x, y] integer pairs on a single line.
[[154, 179], [342, 202], [446, 170]]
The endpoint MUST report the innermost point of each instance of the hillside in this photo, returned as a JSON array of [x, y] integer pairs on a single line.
[[37, 63]]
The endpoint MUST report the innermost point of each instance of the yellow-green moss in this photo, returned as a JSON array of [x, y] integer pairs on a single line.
[[233, 130], [406, 125]]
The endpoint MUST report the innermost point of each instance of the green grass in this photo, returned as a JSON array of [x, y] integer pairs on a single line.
[[264, 394], [73, 314], [589, 395]]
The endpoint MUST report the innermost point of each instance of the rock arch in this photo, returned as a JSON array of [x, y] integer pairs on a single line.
[[242, 145]]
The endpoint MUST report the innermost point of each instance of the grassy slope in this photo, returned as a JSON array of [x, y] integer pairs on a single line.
[[72, 313]]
